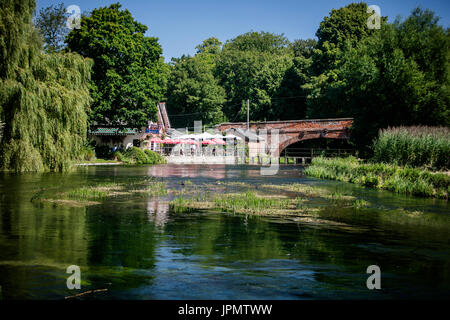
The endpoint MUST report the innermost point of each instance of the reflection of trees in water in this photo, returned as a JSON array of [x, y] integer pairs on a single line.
[[218, 171], [121, 240], [333, 251], [158, 212], [225, 236], [37, 239]]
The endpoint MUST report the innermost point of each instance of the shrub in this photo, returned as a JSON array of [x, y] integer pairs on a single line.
[[136, 155], [154, 158]]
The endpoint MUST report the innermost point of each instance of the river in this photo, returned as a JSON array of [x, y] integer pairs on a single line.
[[137, 249]]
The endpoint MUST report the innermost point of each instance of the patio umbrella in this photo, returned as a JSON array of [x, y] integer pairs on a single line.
[[189, 141], [156, 140], [219, 141], [208, 142], [168, 141]]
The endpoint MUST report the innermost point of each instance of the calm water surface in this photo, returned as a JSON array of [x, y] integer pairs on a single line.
[[138, 249]]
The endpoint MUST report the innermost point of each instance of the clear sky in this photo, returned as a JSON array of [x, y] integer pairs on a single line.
[[180, 25]]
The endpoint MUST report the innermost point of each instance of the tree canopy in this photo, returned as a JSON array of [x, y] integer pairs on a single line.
[[395, 75], [44, 96], [51, 23], [129, 76]]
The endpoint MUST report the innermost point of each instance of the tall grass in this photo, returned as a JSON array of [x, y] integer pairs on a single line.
[[418, 146], [404, 180], [87, 193], [249, 201]]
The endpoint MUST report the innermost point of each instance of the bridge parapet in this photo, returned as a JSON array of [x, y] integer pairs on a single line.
[[292, 131], [299, 125]]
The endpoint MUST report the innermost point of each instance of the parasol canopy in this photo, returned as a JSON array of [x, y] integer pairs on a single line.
[[168, 141], [219, 141], [156, 140], [190, 141]]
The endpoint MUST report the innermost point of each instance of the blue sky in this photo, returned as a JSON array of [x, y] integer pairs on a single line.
[[180, 25]]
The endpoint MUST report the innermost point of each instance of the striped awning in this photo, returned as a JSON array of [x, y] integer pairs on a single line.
[[102, 131]]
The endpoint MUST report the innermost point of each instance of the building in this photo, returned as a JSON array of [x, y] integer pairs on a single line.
[[124, 138]]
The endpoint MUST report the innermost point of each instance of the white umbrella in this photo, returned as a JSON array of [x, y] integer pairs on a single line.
[[231, 136]]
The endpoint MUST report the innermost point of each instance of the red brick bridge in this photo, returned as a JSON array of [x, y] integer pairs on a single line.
[[292, 131]]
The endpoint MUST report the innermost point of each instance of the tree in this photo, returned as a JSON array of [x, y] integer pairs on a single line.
[[304, 48], [192, 90], [51, 22], [210, 45], [259, 42], [44, 96], [344, 27], [252, 66], [193, 93], [129, 76], [397, 76]]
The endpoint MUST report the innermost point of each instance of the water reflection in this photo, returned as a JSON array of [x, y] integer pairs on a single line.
[[138, 249], [158, 212]]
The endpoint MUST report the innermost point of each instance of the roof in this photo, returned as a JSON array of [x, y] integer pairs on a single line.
[[102, 131]]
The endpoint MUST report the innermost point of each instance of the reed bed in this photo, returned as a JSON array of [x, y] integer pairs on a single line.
[[250, 201], [402, 180], [417, 146]]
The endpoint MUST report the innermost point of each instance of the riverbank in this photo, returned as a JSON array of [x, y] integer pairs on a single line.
[[402, 180]]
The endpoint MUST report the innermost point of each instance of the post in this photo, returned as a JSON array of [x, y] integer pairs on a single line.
[[248, 114]]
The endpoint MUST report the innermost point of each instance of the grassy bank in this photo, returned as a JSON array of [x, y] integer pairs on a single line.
[[402, 180]]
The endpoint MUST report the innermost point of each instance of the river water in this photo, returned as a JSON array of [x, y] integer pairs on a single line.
[[137, 249]]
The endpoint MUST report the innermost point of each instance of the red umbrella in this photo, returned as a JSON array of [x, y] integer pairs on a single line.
[[208, 142], [190, 141], [168, 141], [219, 141], [156, 140]]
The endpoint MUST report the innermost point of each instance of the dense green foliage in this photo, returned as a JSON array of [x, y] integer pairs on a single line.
[[192, 89], [397, 76], [404, 180], [262, 67], [135, 155], [414, 146], [252, 66], [392, 76], [44, 97], [129, 76]]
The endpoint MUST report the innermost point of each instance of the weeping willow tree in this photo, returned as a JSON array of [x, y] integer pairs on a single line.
[[44, 98]]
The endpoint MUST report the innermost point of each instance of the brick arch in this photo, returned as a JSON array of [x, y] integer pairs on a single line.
[[293, 140]]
